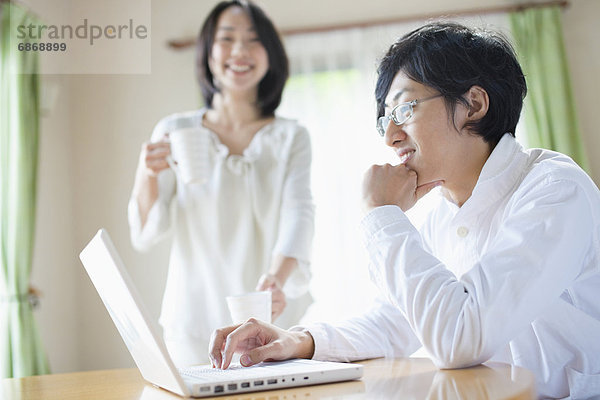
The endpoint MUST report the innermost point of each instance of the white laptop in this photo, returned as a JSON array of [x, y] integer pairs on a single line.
[[115, 287]]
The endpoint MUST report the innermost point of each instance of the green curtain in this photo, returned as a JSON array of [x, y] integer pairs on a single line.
[[21, 352], [550, 112]]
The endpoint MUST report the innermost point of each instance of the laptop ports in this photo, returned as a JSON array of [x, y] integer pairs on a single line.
[[245, 384], [232, 386], [258, 383], [219, 389], [271, 381]]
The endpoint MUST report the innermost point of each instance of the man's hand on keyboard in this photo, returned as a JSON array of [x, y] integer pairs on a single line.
[[258, 341]]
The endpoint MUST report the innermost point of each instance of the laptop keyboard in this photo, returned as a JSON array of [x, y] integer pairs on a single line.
[[206, 373], [203, 372], [214, 380], [203, 379]]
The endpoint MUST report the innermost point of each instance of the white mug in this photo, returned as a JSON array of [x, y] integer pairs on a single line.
[[190, 156], [254, 304]]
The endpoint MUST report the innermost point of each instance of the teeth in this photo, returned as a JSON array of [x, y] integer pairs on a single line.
[[404, 157], [239, 68]]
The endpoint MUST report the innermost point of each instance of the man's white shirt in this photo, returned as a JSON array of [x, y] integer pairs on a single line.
[[513, 275]]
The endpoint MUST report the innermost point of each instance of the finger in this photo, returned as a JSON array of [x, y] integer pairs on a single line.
[[249, 329], [277, 311], [160, 159], [158, 151], [279, 303], [265, 282], [261, 282], [155, 167], [217, 340], [156, 162], [153, 146], [422, 190], [270, 351], [277, 296]]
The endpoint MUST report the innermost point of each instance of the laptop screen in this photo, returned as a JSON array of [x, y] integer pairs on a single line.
[[116, 289]]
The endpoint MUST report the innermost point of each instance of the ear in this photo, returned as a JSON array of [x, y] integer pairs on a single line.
[[479, 103]]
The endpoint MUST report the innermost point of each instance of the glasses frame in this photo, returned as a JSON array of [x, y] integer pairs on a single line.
[[384, 122]]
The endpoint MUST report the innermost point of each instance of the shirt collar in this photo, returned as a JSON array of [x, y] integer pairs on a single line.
[[500, 173]]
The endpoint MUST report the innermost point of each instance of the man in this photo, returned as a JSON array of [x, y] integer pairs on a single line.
[[507, 266]]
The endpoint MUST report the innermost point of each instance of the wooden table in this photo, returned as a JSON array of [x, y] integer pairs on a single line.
[[406, 378]]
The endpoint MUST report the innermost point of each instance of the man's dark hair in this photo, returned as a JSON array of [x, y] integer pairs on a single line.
[[271, 86], [451, 58]]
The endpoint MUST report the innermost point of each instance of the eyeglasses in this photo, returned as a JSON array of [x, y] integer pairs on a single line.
[[400, 114]]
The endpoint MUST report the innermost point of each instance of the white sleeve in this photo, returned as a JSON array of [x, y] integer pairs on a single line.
[[296, 222], [381, 332], [545, 236], [158, 222]]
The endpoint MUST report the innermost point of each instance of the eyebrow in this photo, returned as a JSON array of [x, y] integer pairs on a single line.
[[398, 94]]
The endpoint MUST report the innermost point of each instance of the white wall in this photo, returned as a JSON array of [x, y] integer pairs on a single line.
[[54, 270], [92, 134]]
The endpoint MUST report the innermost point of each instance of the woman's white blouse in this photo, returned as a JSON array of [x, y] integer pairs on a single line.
[[513, 275], [225, 232]]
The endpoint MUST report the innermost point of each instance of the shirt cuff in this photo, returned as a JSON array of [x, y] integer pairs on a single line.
[[299, 280], [143, 238], [296, 232], [380, 217], [381, 224]]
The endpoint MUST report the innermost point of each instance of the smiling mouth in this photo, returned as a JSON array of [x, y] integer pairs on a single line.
[[239, 68], [406, 156]]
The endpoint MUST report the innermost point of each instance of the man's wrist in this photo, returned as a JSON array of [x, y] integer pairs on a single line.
[[306, 344]]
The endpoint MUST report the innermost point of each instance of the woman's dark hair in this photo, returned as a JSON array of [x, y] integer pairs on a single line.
[[271, 86], [451, 58]]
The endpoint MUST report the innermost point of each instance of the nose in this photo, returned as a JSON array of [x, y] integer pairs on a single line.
[[239, 47], [394, 135]]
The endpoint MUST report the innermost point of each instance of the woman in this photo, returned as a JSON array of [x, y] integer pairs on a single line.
[[251, 225], [506, 268]]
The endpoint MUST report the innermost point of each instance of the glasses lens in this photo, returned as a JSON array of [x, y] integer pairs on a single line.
[[399, 115], [403, 113], [382, 124]]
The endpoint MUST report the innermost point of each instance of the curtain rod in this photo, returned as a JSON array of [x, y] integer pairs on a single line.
[[180, 44]]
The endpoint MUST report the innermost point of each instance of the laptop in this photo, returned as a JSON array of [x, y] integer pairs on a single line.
[[116, 289]]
